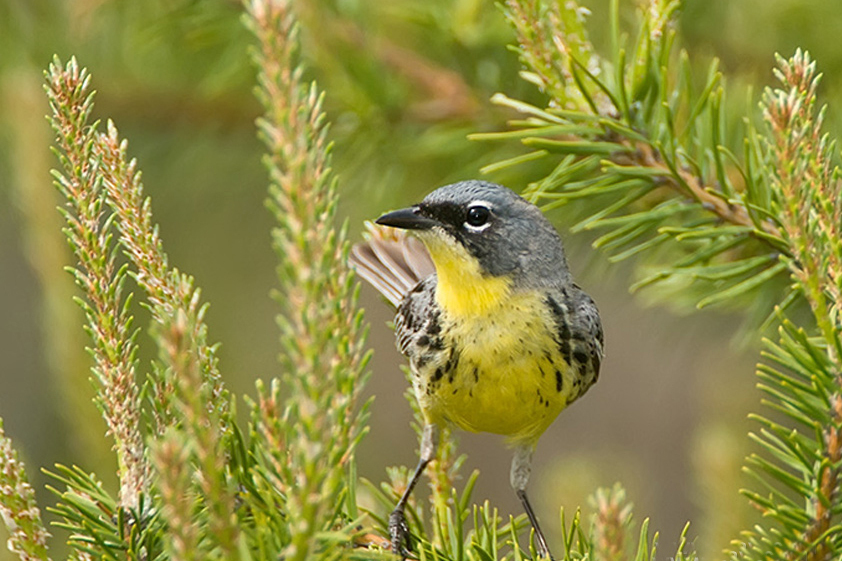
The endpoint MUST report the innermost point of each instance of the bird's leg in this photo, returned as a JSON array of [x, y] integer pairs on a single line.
[[398, 529], [521, 470]]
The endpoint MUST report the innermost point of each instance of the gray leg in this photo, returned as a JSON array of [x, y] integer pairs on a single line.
[[398, 529], [521, 470]]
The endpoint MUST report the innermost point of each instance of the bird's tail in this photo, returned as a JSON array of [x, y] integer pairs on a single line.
[[391, 261]]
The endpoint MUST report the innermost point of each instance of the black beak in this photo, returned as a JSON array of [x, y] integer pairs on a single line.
[[407, 219]]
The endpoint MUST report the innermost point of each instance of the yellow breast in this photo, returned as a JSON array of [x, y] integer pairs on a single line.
[[510, 377]]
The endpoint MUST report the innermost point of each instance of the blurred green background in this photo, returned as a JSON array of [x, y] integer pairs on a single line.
[[406, 81]]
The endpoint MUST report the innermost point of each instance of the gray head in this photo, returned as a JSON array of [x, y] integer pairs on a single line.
[[506, 234]]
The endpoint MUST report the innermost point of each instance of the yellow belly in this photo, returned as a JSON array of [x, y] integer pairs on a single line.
[[510, 378]]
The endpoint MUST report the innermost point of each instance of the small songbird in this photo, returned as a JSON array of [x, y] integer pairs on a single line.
[[498, 336]]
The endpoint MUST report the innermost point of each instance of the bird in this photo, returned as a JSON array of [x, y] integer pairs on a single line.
[[499, 337]]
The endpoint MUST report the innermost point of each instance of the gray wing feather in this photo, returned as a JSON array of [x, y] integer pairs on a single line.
[[588, 325], [391, 261]]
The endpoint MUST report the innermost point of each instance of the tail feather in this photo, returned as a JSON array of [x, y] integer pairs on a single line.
[[391, 261]]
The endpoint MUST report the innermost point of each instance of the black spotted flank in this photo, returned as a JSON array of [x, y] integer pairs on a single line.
[[580, 356], [452, 364], [433, 326], [564, 349], [558, 381], [562, 335], [560, 317], [452, 360], [436, 344]]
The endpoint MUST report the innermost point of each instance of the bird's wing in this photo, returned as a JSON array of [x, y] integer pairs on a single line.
[[391, 261]]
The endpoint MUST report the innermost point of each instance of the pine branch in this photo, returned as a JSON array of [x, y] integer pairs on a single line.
[[172, 457], [20, 513], [443, 473], [97, 524], [802, 171], [611, 525], [198, 398], [174, 300], [550, 39], [802, 384], [807, 192], [97, 274], [322, 333], [190, 393]]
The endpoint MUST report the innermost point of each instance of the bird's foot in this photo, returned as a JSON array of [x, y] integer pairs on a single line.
[[544, 552], [399, 532], [541, 548]]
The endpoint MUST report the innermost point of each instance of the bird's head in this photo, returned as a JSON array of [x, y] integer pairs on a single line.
[[485, 242]]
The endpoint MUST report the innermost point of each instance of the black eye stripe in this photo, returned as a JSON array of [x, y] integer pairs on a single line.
[[449, 214], [458, 217]]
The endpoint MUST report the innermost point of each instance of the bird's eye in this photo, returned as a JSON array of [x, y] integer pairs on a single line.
[[477, 215]]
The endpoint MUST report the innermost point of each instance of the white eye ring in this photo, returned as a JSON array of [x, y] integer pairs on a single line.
[[478, 216]]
